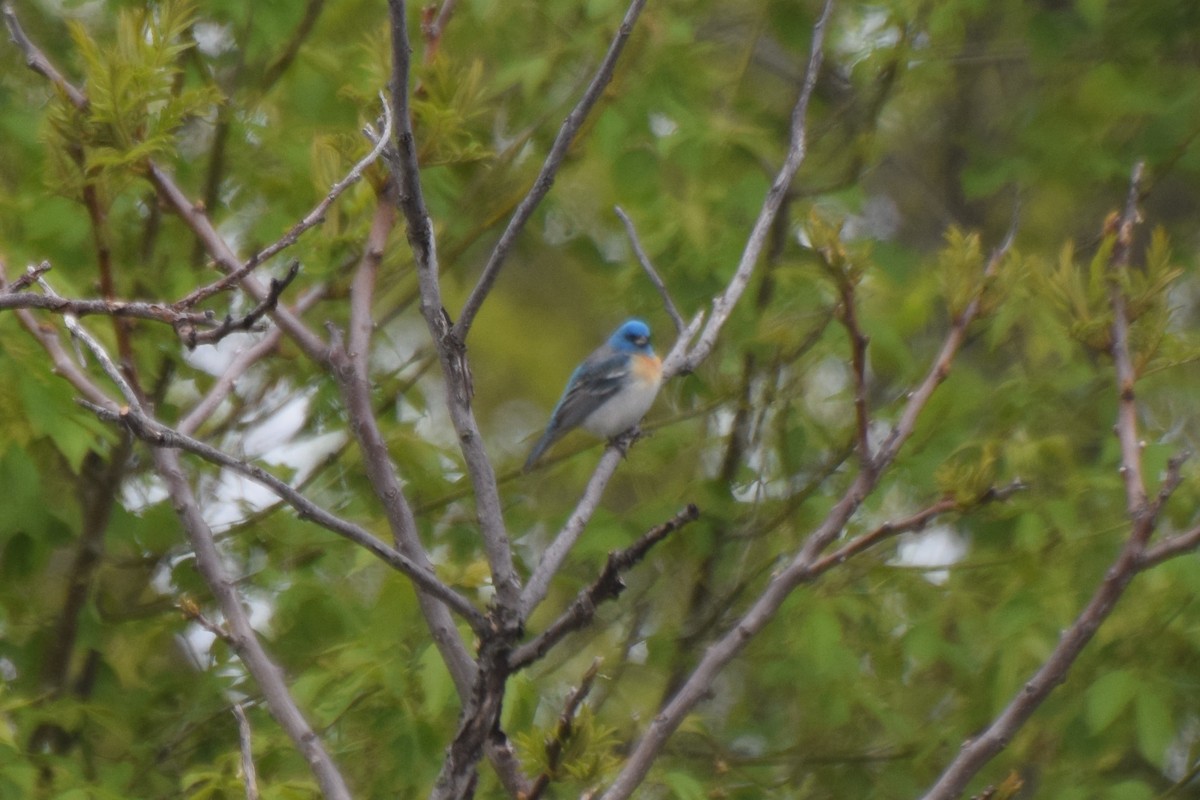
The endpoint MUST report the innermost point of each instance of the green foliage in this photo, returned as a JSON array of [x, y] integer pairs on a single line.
[[926, 121], [135, 107]]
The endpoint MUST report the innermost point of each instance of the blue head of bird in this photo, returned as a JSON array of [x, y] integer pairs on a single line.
[[632, 337]]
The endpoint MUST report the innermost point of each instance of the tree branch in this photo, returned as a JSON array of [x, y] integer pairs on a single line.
[[193, 327], [246, 644], [545, 178], [687, 361], [608, 586], [36, 60], [563, 730], [242, 362], [1126, 428], [249, 773], [159, 436], [556, 553], [799, 570], [310, 220], [978, 751], [227, 261], [651, 272], [451, 352]]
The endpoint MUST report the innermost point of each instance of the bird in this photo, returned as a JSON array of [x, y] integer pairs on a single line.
[[609, 392]]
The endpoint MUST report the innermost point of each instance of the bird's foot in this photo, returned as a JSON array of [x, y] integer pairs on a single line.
[[624, 441]]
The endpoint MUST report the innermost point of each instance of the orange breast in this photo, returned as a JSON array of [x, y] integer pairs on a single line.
[[647, 368]]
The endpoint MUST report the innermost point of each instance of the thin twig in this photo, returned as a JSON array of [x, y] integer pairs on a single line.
[[191, 611], [310, 220], [545, 178], [451, 352], [1126, 429], [249, 773], [242, 362], [608, 586], [227, 261], [1143, 515], [687, 361], [915, 522], [858, 362], [433, 25], [651, 272], [246, 643], [101, 355], [149, 430], [556, 552], [36, 60], [563, 730]]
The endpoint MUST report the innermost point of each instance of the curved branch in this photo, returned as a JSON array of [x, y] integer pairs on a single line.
[[160, 436], [608, 586], [801, 567], [246, 644], [451, 352], [545, 178], [723, 305]]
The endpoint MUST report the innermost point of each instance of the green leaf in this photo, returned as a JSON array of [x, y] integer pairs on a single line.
[[1155, 727], [1129, 790], [1108, 697], [685, 787]]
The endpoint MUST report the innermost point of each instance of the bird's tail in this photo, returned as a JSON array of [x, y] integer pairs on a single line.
[[547, 439]]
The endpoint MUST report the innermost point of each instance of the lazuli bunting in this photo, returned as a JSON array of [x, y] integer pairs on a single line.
[[610, 391]]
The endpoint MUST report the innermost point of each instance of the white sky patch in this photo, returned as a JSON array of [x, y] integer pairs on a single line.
[[937, 548], [661, 125], [277, 428], [826, 385], [874, 31], [212, 38]]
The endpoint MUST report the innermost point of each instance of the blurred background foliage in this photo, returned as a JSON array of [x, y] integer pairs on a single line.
[[935, 123]]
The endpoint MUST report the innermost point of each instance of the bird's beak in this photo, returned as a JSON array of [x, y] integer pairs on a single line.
[[641, 341]]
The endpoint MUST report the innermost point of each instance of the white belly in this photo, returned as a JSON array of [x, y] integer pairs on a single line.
[[623, 410]]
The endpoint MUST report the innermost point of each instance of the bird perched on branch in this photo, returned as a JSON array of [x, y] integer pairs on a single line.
[[610, 391]]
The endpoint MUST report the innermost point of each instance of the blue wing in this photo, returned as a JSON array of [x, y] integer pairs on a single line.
[[594, 381]]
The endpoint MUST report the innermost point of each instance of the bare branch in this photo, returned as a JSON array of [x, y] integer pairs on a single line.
[[249, 773], [36, 60], [101, 355], [227, 261], [191, 611], [1126, 428], [916, 522], [651, 272], [246, 644], [129, 309], [451, 352], [556, 553], [238, 367], [149, 430], [433, 25], [186, 323], [800, 569], [545, 178], [191, 337], [608, 586], [858, 362], [313, 218], [64, 365], [1171, 547], [941, 366], [975, 753], [797, 149], [563, 730]]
